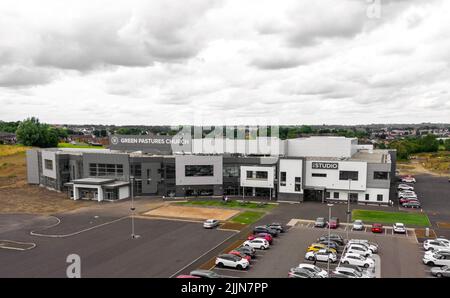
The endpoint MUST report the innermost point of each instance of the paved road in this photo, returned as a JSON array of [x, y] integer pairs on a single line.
[[163, 248], [434, 195]]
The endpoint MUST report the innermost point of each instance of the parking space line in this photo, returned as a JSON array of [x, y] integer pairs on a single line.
[[231, 269]]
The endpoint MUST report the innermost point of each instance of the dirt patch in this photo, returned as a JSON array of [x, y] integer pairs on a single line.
[[211, 262], [233, 226], [443, 225], [420, 233], [17, 196], [192, 212]]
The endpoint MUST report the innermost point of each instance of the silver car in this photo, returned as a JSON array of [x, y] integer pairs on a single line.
[[210, 223], [358, 225], [441, 271]]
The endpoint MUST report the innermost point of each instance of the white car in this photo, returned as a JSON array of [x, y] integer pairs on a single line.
[[372, 246], [433, 244], [229, 260], [437, 259], [258, 243], [210, 223], [314, 269], [358, 249], [437, 251], [358, 225], [444, 240], [405, 192], [358, 260], [398, 227], [409, 179], [322, 255], [350, 272], [407, 195], [405, 187]]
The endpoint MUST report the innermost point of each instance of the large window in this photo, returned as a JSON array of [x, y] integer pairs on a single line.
[[379, 198], [48, 163], [298, 184], [102, 169], [282, 178], [348, 175], [380, 175], [199, 170], [261, 175], [319, 175], [231, 171]]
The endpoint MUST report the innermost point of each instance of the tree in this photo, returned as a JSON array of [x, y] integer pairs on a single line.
[[31, 132], [447, 145]]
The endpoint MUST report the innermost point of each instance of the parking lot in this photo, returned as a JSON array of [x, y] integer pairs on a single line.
[[163, 248], [398, 256]]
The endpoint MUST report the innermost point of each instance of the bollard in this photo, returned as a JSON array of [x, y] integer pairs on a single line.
[[427, 232]]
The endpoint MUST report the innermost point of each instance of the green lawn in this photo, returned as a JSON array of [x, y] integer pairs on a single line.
[[370, 216], [229, 204], [81, 146], [247, 217]]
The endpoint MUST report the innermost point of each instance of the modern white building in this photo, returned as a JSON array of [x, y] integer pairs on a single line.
[[295, 170]]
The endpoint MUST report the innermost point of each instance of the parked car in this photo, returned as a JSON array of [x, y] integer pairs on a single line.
[[210, 223], [412, 204], [358, 225], [358, 260], [398, 227], [407, 200], [407, 195], [443, 240], [370, 245], [438, 259], [233, 261], [338, 275], [258, 243], [314, 269], [330, 244], [408, 179], [263, 229], [333, 223], [205, 273], [187, 276], [433, 244], [352, 273], [441, 271], [322, 255], [276, 226], [320, 222], [249, 251], [403, 186], [266, 236], [364, 271], [358, 249], [301, 273], [240, 254], [318, 246], [377, 228], [333, 237]]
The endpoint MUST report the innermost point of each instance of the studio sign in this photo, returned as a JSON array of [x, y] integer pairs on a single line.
[[325, 165]]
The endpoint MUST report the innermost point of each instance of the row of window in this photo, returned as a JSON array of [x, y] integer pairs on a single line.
[[353, 175], [353, 196], [103, 169], [260, 175]]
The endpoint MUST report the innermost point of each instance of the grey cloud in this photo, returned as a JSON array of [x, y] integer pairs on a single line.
[[20, 76]]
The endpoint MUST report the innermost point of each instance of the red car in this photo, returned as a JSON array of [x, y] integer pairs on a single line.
[[333, 223], [187, 276], [240, 254], [377, 228], [266, 236], [406, 200]]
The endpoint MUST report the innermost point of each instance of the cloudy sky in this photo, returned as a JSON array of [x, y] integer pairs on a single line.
[[225, 61]]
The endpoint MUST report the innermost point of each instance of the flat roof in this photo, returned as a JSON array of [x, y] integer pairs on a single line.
[[95, 181], [372, 156]]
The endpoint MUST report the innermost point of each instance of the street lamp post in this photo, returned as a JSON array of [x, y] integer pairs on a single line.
[[133, 235], [348, 205], [329, 235]]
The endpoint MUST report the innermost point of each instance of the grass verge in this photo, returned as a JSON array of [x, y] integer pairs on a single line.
[[79, 146], [229, 204], [247, 217], [370, 216]]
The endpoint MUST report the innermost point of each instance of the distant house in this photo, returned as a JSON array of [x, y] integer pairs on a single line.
[[7, 138]]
